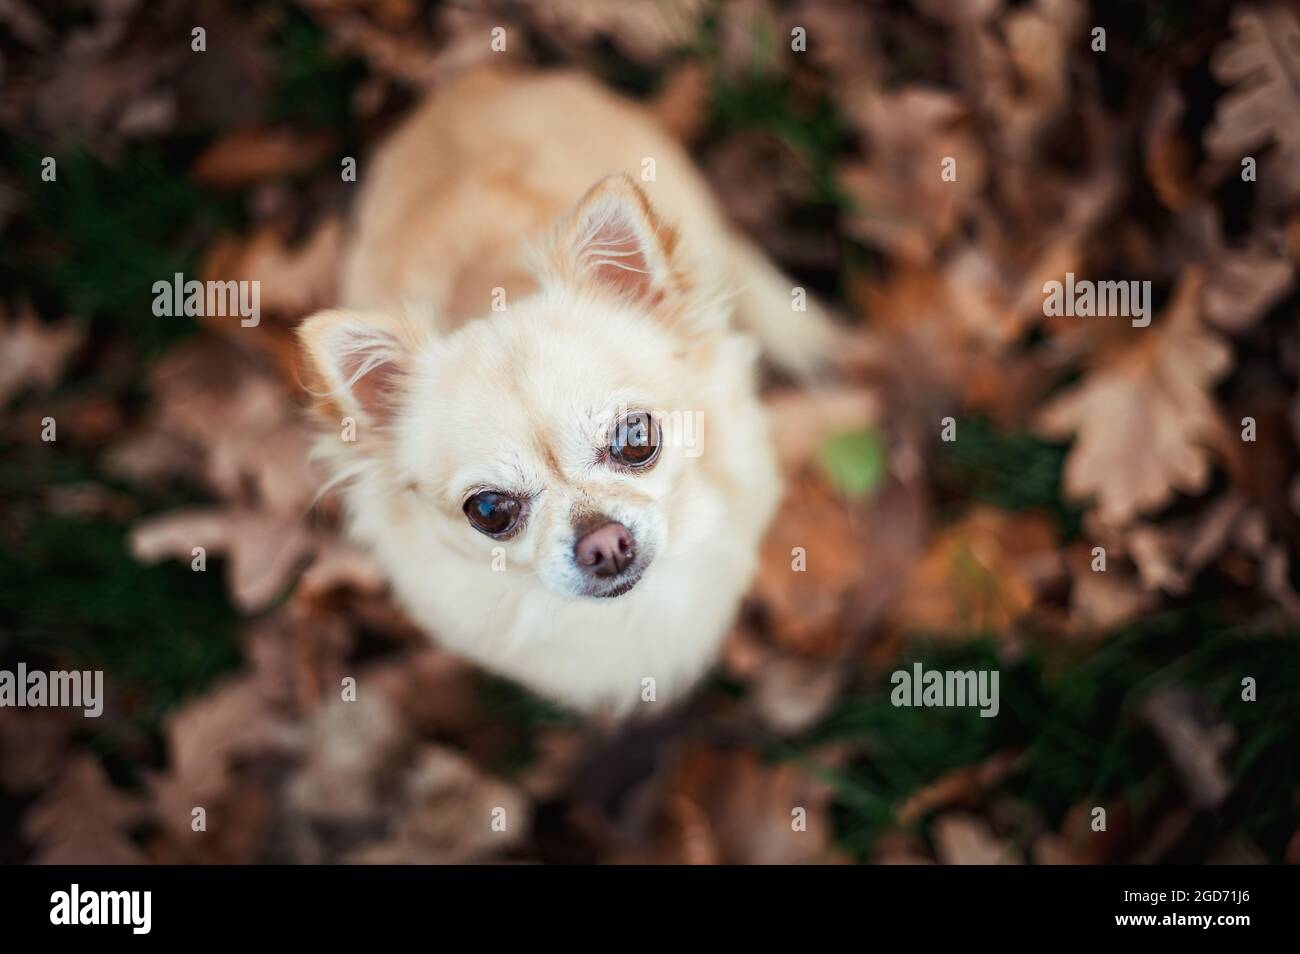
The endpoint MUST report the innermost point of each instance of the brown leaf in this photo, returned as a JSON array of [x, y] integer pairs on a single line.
[[1051, 849], [1103, 600], [803, 420], [1241, 282], [264, 552], [791, 695], [1194, 746], [1168, 157], [205, 739], [645, 30], [33, 353], [1261, 61], [1029, 83], [981, 575], [682, 103], [248, 432], [82, 819], [730, 807], [809, 564], [1144, 418], [295, 281], [349, 752], [250, 154], [33, 747], [903, 204], [900, 848], [961, 839], [452, 813], [962, 786]]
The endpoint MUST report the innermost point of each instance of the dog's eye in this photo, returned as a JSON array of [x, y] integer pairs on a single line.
[[493, 513], [635, 441]]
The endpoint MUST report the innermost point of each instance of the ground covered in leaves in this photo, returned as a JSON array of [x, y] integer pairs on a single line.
[[1120, 689]]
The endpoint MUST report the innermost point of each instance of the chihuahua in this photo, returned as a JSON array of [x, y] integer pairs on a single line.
[[542, 420]]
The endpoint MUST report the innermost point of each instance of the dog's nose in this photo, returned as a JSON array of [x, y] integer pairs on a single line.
[[605, 551]]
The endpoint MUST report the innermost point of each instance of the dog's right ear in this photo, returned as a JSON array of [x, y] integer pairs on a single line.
[[356, 362]]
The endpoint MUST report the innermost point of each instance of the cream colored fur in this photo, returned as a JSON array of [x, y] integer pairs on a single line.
[[619, 294]]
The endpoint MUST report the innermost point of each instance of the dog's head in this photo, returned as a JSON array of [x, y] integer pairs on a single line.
[[556, 430]]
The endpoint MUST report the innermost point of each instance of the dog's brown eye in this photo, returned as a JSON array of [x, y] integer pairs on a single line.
[[635, 441], [493, 513]]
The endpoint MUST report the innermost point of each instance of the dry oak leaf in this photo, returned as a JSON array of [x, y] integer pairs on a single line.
[[348, 749], [731, 807], [83, 820], [33, 747], [1144, 419], [845, 41], [204, 737], [905, 206], [961, 786], [981, 575], [264, 551], [294, 280], [1027, 75], [403, 53], [961, 839], [207, 394], [809, 565], [32, 353], [452, 813], [945, 326], [681, 104], [645, 30], [1262, 62], [1102, 601], [1241, 282], [1195, 744], [251, 154], [1167, 157]]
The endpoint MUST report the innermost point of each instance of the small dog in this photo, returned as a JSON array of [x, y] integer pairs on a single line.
[[560, 461]]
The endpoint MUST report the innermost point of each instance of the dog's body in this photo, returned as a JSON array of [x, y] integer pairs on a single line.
[[510, 471]]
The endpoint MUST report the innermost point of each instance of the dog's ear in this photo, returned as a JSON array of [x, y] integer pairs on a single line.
[[357, 361], [613, 239]]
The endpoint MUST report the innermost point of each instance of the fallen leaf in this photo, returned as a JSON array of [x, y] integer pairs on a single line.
[[451, 813], [350, 748], [1144, 420], [1195, 746], [809, 564], [1261, 62], [1103, 600], [791, 695], [82, 819], [219, 417], [206, 737], [32, 352], [646, 30], [961, 839], [33, 748], [1168, 157], [294, 280], [730, 807], [962, 786], [264, 552], [904, 205], [682, 103], [250, 154], [980, 575]]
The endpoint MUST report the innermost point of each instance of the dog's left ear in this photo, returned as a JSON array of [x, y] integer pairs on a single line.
[[357, 361], [614, 240]]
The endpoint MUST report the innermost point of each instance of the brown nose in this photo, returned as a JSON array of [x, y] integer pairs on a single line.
[[605, 551]]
